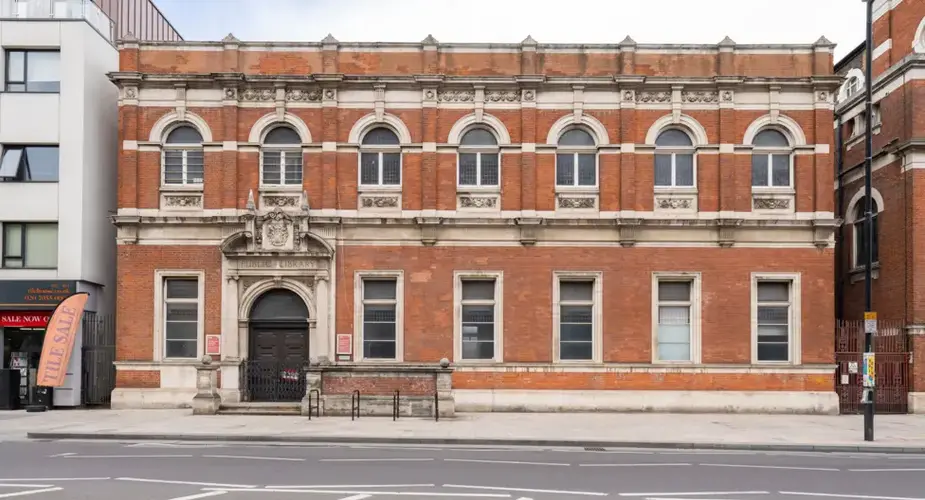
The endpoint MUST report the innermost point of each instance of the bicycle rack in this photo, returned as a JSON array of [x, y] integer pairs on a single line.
[[396, 398], [317, 406], [355, 405]]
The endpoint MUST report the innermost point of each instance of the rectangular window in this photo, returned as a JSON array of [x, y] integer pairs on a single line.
[[33, 71], [29, 164], [30, 245], [576, 320], [576, 169], [478, 169], [477, 322], [282, 168], [183, 166], [380, 318], [380, 169], [770, 170], [774, 320], [181, 318], [675, 308]]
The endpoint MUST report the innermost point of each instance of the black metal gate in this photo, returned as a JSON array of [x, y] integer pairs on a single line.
[[98, 374], [272, 381], [892, 366]]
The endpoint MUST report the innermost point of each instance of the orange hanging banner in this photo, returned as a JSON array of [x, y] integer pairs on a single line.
[[59, 340]]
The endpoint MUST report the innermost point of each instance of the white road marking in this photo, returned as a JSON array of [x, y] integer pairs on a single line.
[[31, 492], [771, 467], [316, 486], [837, 495], [376, 460], [694, 493], [61, 455], [201, 495], [377, 493], [886, 470], [631, 465], [55, 479], [127, 456], [509, 462], [247, 457], [21, 485], [525, 490], [356, 497], [191, 483]]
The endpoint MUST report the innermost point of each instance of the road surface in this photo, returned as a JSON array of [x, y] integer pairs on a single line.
[[72, 470]]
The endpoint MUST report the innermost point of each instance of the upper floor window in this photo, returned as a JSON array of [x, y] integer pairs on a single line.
[[862, 244], [674, 159], [852, 86], [478, 158], [771, 160], [281, 155], [30, 245], [183, 160], [29, 164], [33, 71], [380, 158], [576, 159]]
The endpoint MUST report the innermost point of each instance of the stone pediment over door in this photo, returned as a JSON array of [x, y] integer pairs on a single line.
[[276, 233]]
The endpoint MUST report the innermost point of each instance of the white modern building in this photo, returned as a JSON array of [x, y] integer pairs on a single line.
[[58, 150]]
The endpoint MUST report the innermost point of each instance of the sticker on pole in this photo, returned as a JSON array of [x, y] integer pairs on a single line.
[[869, 370], [870, 322]]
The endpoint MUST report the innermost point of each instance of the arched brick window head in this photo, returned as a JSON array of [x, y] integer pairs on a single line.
[[380, 158], [576, 159], [281, 158], [183, 157], [479, 158]]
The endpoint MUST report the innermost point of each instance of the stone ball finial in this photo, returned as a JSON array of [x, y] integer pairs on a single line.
[[207, 359], [444, 363]]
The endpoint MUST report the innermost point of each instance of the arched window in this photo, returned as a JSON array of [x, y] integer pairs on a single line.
[[861, 243], [852, 86], [772, 160], [674, 159], [380, 158], [281, 155], [478, 158], [576, 159], [183, 162]]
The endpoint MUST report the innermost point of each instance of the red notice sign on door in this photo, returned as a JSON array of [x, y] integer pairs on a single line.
[[344, 344], [214, 345]]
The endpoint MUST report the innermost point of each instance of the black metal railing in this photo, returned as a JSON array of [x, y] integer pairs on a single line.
[[273, 381], [314, 395], [355, 405]]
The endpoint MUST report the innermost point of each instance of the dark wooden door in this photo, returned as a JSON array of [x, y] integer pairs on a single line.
[[276, 368]]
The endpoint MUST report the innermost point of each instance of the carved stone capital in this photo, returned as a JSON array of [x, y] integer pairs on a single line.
[[628, 231], [726, 232], [430, 229], [529, 229]]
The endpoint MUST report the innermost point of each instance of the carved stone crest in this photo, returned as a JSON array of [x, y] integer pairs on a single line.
[[456, 95], [674, 203], [771, 203], [576, 203], [131, 92], [629, 96], [529, 95], [478, 202], [276, 226], [727, 96]]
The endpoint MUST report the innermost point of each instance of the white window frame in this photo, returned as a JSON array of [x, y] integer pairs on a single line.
[[160, 310], [283, 149], [597, 314], [458, 278], [399, 277], [183, 149], [770, 152], [674, 151], [575, 151], [478, 151], [381, 149], [694, 278], [795, 344]]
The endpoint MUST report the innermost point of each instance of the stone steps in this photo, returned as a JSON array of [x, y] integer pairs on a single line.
[[260, 409]]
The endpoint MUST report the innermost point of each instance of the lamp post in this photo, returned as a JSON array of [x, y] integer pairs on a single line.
[[868, 227]]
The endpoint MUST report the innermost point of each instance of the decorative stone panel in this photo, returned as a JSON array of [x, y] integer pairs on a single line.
[[380, 201], [567, 201], [475, 201], [672, 202], [773, 203], [502, 96], [279, 200], [181, 201], [700, 97], [653, 97], [456, 96]]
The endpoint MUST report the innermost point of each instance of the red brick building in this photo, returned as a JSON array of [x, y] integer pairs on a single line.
[[623, 226], [898, 121]]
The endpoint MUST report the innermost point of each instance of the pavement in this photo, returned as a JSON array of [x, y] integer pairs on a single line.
[[893, 433], [161, 470]]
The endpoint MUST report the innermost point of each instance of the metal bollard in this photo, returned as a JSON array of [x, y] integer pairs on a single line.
[[355, 405], [396, 398]]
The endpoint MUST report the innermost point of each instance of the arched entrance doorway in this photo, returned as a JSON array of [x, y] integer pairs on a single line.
[[278, 334]]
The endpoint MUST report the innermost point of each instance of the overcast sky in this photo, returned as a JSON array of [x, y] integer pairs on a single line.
[[510, 21]]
